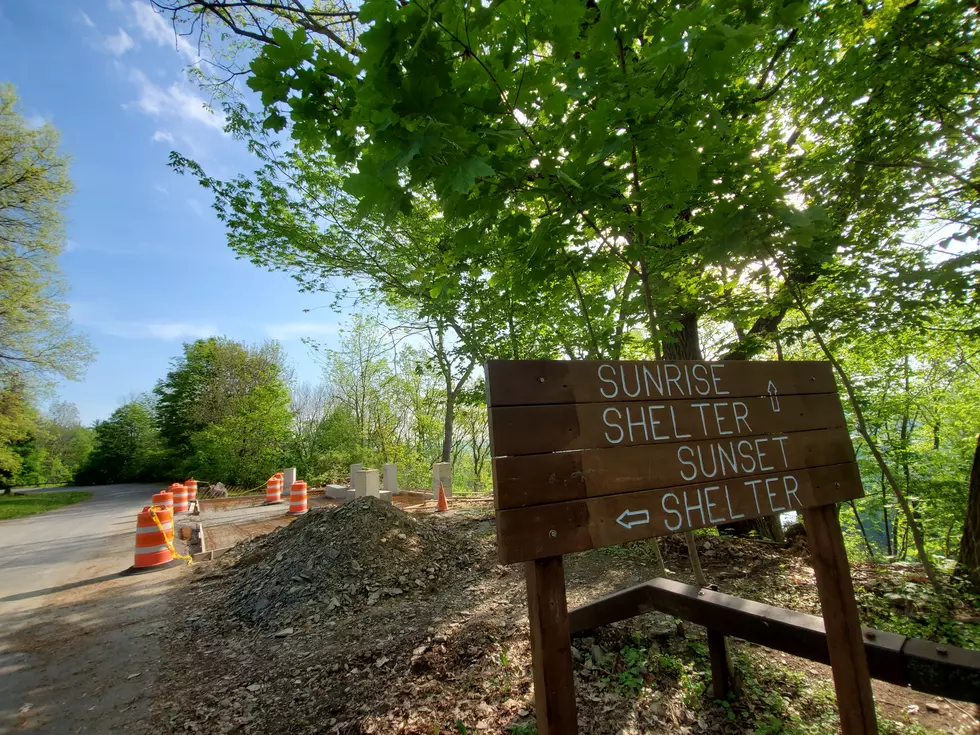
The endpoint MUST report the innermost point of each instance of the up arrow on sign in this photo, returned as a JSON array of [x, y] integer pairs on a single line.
[[773, 396], [640, 516]]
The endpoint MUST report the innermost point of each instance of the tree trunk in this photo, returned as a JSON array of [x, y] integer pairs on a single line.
[[968, 560], [864, 534], [447, 427], [684, 344], [862, 427], [884, 510]]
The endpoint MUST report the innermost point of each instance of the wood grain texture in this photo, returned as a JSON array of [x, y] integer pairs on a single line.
[[535, 382], [547, 478], [852, 680], [563, 528], [520, 430], [551, 652]]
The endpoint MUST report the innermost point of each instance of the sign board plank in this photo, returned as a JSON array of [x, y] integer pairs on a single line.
[[536, 382], [547, 478], [553, 428], [563, 528], [591, 454]]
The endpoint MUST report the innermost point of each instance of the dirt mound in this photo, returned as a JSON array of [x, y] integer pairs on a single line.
[[339, 560]]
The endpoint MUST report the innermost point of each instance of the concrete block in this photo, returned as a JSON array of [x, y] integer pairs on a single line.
[[442, 471], [288, 478], [354, 469], [386, 496], [390, 479], [367, 483], [335, 492], [351, 494]]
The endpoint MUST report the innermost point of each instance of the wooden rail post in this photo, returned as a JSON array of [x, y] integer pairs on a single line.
[[719, 654], [551, 647], [852, 679]]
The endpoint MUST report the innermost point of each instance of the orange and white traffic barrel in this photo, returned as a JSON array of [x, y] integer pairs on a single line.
[[180, 497], [164, 498], [297, 499], [273, 490], [191, 487], [154, 539]]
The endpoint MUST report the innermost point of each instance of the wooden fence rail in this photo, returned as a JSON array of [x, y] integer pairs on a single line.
[[925, 666]]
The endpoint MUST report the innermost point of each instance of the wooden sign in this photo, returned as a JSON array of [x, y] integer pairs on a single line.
[[589, 454]]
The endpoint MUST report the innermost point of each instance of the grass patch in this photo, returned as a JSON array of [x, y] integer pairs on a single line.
[[14, 506]]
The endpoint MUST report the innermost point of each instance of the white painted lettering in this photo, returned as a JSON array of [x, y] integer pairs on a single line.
[[694, 468], [655, 422], [704, 387], [701, 407], [622, 375], [663, 504], [790, 485], [719, 418], [611, 382], [687, 379], [676, 380], [771, 494], [699, 507], [714, 461], [782, 446], [605, 420], [755, 493], [673, 421], [649, 377], [741, 450], [762, 456], [722, 458], [710, 504], [716, 379], [741, 417], [731, 513], [630, 423]]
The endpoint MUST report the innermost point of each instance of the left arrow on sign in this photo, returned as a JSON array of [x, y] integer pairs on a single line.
[[640, 516]]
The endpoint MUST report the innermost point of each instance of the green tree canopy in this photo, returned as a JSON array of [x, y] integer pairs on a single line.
[[223, 409], [35, 332], [127, 447]]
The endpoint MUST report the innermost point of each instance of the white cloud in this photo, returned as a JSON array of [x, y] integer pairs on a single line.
[[162, 136], [164, 331], [297, 330], [162, 189], [83, 17], [118, 43], [154, 28], [175, 100], [36, 121], [195, 206], [92, 315], [70, 245]]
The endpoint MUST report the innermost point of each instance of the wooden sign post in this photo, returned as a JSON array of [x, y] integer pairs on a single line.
[[589, 454]]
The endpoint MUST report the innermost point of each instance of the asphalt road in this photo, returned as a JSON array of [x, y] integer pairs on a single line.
[[43, 559]]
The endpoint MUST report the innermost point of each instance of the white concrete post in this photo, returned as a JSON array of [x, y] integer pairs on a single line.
[[442, 471], [367, 482], [391, 478], [354, 469], [288, 478]]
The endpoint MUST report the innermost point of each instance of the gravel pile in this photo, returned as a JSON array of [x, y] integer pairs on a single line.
[[339, 560]]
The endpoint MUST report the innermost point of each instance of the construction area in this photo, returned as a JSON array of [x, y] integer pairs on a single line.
[[372, 613], [369, 612]]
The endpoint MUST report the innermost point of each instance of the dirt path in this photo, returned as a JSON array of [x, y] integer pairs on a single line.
[[79, 645]]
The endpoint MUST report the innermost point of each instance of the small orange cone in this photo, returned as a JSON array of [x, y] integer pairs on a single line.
[[442, 505]]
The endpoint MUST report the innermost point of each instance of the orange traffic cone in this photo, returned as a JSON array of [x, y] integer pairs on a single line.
[[442, 505]]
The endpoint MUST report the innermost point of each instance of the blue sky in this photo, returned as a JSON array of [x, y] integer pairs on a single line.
[[146, 260]]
